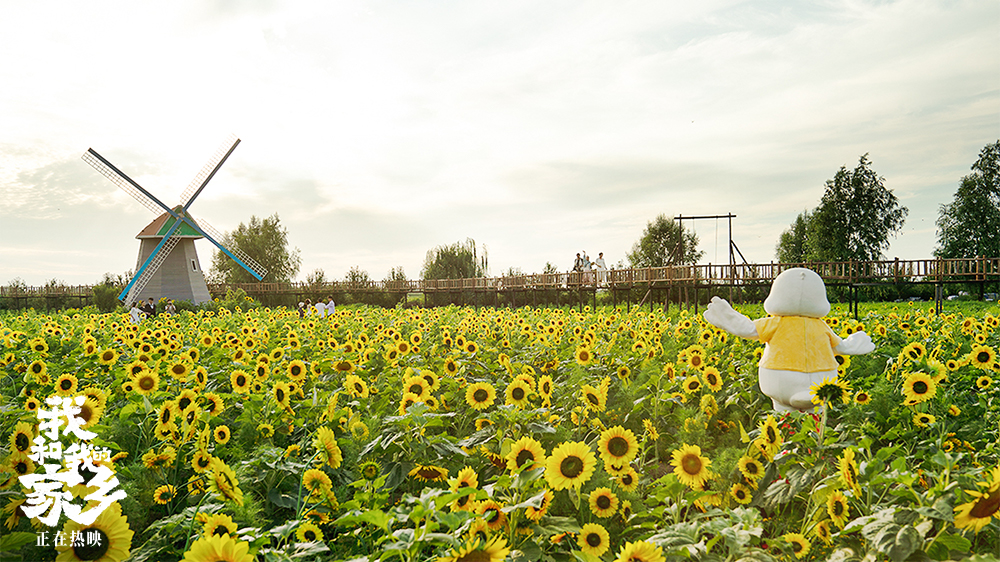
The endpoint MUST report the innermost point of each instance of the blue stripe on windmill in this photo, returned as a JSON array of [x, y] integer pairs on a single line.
[[168, 265]]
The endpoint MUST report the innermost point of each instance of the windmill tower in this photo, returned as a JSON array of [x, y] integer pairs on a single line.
[[168, 264]]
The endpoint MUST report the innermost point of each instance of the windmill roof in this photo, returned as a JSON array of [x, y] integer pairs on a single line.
[[162, 224]]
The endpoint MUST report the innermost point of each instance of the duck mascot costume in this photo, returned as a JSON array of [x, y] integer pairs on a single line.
[[800, 347]]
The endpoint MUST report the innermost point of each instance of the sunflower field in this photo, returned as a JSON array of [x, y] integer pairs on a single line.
[[459, 435]]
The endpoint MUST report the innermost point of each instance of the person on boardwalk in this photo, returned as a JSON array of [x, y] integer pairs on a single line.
[[602, 269]]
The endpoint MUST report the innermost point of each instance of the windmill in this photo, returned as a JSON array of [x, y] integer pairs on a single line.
[[168, 265]]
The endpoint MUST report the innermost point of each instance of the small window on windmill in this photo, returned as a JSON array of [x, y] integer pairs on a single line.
[[194, 266]]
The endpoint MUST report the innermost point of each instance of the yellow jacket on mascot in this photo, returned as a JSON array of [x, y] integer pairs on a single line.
[[800, 347]]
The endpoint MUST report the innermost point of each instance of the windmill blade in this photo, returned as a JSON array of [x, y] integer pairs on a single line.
[[239, 256], [140, 279], [156, 257], [208, 170], [119, 178]]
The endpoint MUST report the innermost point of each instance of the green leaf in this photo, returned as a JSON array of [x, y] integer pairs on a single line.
[[12, 541], [944, 544]]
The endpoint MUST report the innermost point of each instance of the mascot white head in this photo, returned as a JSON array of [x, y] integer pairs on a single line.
[[800, 347]]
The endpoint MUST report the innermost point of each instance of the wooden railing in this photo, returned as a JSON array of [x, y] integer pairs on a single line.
[[836, 273]]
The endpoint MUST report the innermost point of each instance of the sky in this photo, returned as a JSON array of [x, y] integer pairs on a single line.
[[378, 130]]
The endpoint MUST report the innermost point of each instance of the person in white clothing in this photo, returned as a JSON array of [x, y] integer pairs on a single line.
[[330, 307], [321, 309], [135, 313], [602, 269]]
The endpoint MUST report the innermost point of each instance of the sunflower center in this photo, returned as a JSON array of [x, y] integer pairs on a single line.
[[22, 442], [627, 479], [517, 394], [594, 540], [986, 505], [523, 457], [220, 531], [603, 502], [920, 387], [982, 356], [146, 383], [571, 467], [480, 395], [65, 384], [691, 464], [618, 446], [296, 371], [280, 395], [241, 380], [593, 399], [771, 435], [93, 551], [184, 402], [475, 556], [416, 389], [838, 508]]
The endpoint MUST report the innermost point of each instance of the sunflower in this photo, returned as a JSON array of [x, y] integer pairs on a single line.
[[478, 549], [480, 395], [107, 356], [603, 502], [849, 470], [451, 366], [223, 483], [21, 438], [595, 399], [918, 387], [326, 443], [628, 479], [240, 381], [984, 505], [517, 393], [213, 404], [281, 393], [983, 382], [179, 370], [201, 460], [618, 445], [356, 386], [370, 470], [536, 513], [545, 387], [524, 452], [297, 370], [186, 398], [265, 430], [429, 473], [696, 361], [822, 531], [146, 382], [651, 430], [219, 524], [982, 356], [164, 494], [593, 539], [113, 541], [800, 545], [740, 494], [914, 351], [570, 465], [309, 532], [690, 467], [691, 384], [416, 385], [583, 356], [829, 391], [406, 401], [713, 379], [39, 370], [923, 420], [862, 397], [492, 513], [837, 508], [770, 439], [65, 384], [640, 551], [317, 482], [222, 434], [218, 548]]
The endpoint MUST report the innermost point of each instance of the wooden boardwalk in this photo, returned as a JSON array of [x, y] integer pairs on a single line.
[[683, 278]]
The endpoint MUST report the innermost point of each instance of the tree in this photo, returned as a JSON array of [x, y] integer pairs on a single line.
[[458, 261], [855, 217], [793, 245], [266, 242], [396, 275], [969, 226], [665, 242], [357, 277]]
